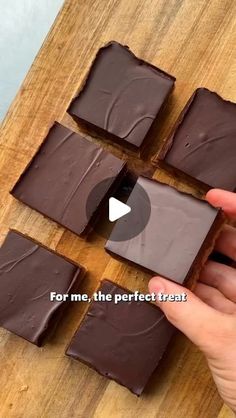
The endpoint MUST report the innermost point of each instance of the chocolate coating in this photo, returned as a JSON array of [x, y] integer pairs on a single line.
[[123, 341], [203, 144], [177, 228], [122, 94], [60, 177], [28, 273]]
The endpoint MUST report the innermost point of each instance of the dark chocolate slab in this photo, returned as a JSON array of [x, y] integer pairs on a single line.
[[122, 94], [203, 143], [123, 341], [61, 176], [28, 273], [177, 230]]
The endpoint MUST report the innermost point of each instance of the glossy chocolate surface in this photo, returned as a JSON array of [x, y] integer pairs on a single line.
[[122, 94], [203, 144], [61, 176], [123, 341], [28, 273], [177, 228]]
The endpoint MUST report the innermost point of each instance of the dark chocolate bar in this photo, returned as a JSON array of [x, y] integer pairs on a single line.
[[61, 176], [123, 341], [28, 273], [179, 235], [122, 95], [203, 144]]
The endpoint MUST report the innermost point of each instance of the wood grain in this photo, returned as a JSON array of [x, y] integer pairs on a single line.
[[193, 40]]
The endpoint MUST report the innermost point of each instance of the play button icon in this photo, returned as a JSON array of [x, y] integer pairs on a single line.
[[119, 206], [117, 209]]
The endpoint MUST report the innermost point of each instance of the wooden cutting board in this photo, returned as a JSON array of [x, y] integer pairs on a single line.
[[193, 40]]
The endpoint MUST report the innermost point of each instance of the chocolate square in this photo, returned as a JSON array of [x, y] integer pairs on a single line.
[[123, 341], [122, 95], [60, 177], [28, 273], [178, 236], [203, 143]]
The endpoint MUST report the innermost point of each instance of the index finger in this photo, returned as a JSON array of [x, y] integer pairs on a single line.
[[223, 199]]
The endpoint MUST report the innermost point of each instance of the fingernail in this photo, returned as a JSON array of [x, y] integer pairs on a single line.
[[156, 285]]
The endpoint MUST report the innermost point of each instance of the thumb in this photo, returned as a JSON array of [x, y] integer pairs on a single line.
[[198, 321]]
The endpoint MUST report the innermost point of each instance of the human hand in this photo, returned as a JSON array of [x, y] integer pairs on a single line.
[[208, 317]]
